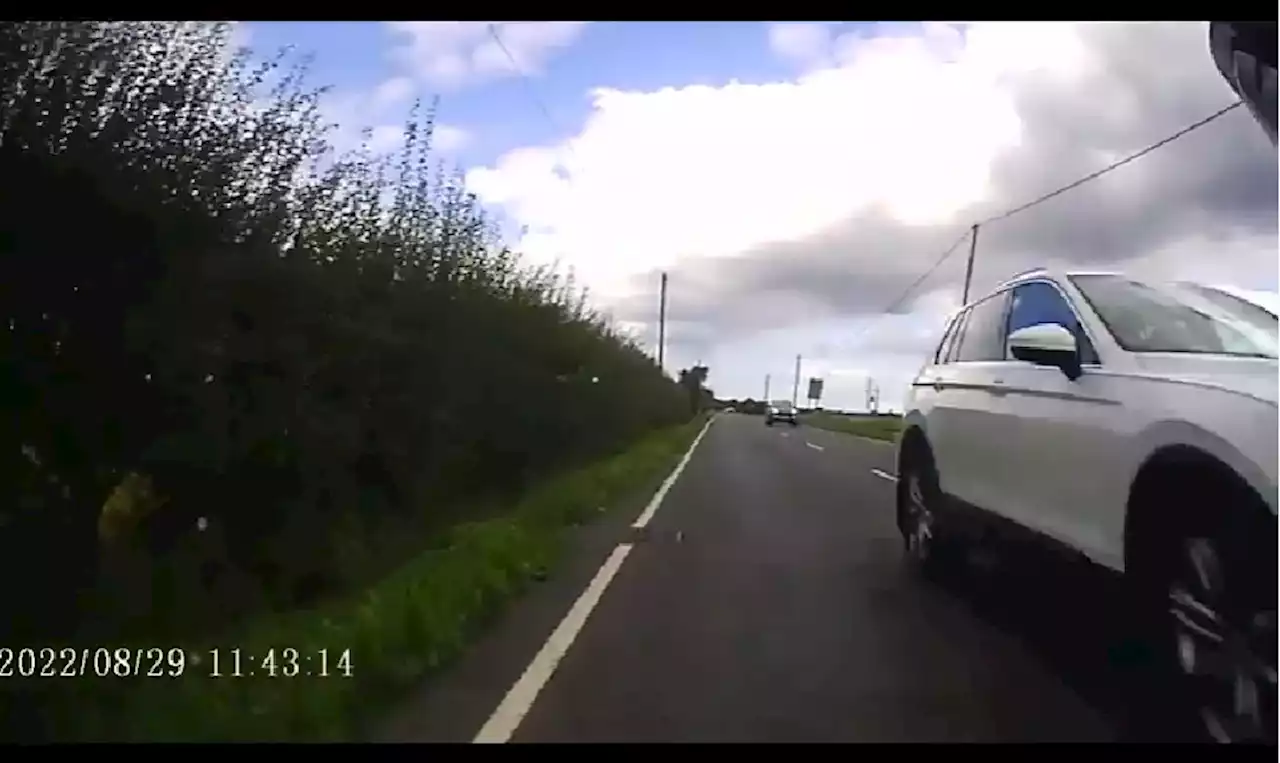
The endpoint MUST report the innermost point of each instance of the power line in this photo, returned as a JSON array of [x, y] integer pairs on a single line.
[[1115, 165], [902, 297], [524, 78], [1059, 191], [568, 145], [972, 230], [924, 276]]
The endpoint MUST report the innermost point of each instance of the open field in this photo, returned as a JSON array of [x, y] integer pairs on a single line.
[[876, 427]]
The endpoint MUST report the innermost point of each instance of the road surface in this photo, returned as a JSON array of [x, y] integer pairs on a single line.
[[767, 601]]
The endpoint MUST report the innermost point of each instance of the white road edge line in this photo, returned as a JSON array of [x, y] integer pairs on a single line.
[[519, 699], [815, 447], [656, 500], [884, 475]]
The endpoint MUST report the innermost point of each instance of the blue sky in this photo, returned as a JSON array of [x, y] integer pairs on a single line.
[[502, 112], [793, 178]]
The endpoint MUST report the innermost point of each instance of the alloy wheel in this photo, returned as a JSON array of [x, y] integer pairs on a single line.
[[1226, 648], [920, 521]]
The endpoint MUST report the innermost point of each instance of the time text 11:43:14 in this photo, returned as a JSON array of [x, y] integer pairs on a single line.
[[286, 662]]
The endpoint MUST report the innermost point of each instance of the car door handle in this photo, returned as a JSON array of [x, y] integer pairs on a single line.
[[997, 387], [937, 384]]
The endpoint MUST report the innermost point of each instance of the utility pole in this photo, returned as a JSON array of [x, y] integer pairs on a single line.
[[766, 388], [662, 323], [968, 268], [795, 388]]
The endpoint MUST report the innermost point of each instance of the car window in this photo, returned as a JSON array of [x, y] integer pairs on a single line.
[[953, 348], [940, 355], [1148, 317], [1232, 303], [1039, 302], [983, 337]]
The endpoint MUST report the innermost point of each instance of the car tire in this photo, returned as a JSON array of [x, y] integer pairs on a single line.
[[927, 546], [1214, 638]]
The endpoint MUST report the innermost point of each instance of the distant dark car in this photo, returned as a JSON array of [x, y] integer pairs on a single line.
[[781, 411]]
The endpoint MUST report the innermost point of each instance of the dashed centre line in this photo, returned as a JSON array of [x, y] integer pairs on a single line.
[[815, 447]]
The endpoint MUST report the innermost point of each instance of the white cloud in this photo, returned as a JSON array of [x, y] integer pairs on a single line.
[[714, 171], [392, 92], [804, 42], [451, 54], [384, 139], [448, 139], [911, 123]]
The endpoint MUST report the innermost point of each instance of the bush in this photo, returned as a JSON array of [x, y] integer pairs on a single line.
[[241, 373]]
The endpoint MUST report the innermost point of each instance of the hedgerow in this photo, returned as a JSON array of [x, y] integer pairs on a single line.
[[241, 373]]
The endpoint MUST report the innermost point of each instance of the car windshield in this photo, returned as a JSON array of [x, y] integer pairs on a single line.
[[1146, 317], [782, 406], [1229, 301]]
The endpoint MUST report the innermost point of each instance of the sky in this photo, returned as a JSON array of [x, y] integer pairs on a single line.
[[793, 179]]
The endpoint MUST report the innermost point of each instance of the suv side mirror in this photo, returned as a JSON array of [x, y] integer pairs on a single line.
[[1047, 344]]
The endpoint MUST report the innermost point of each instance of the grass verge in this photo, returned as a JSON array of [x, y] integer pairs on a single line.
[[401, 630], [884, 428]]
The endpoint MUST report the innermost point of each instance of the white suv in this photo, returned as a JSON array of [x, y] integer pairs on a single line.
[[1133, 424]]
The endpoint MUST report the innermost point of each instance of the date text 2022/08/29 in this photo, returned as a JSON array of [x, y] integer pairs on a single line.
[[173, 662]]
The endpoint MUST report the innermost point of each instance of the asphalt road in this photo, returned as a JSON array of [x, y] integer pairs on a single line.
[[767, 601]]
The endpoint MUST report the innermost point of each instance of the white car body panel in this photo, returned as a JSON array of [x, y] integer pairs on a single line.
[[1058, 456], [1087, 426]]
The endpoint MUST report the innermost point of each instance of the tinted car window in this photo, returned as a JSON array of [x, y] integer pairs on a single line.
[[1039, 302], [983, 337]]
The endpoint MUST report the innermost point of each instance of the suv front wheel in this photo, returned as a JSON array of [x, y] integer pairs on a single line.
[[1224, 637], [1207, 585], [927, 545]]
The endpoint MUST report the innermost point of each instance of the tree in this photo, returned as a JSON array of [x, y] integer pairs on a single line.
[[693, 381]]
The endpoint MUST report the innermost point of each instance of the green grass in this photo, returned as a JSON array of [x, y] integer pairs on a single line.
[[399, 632], [875, 427]]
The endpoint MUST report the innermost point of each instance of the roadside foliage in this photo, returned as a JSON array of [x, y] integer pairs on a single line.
[[240, 374]]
